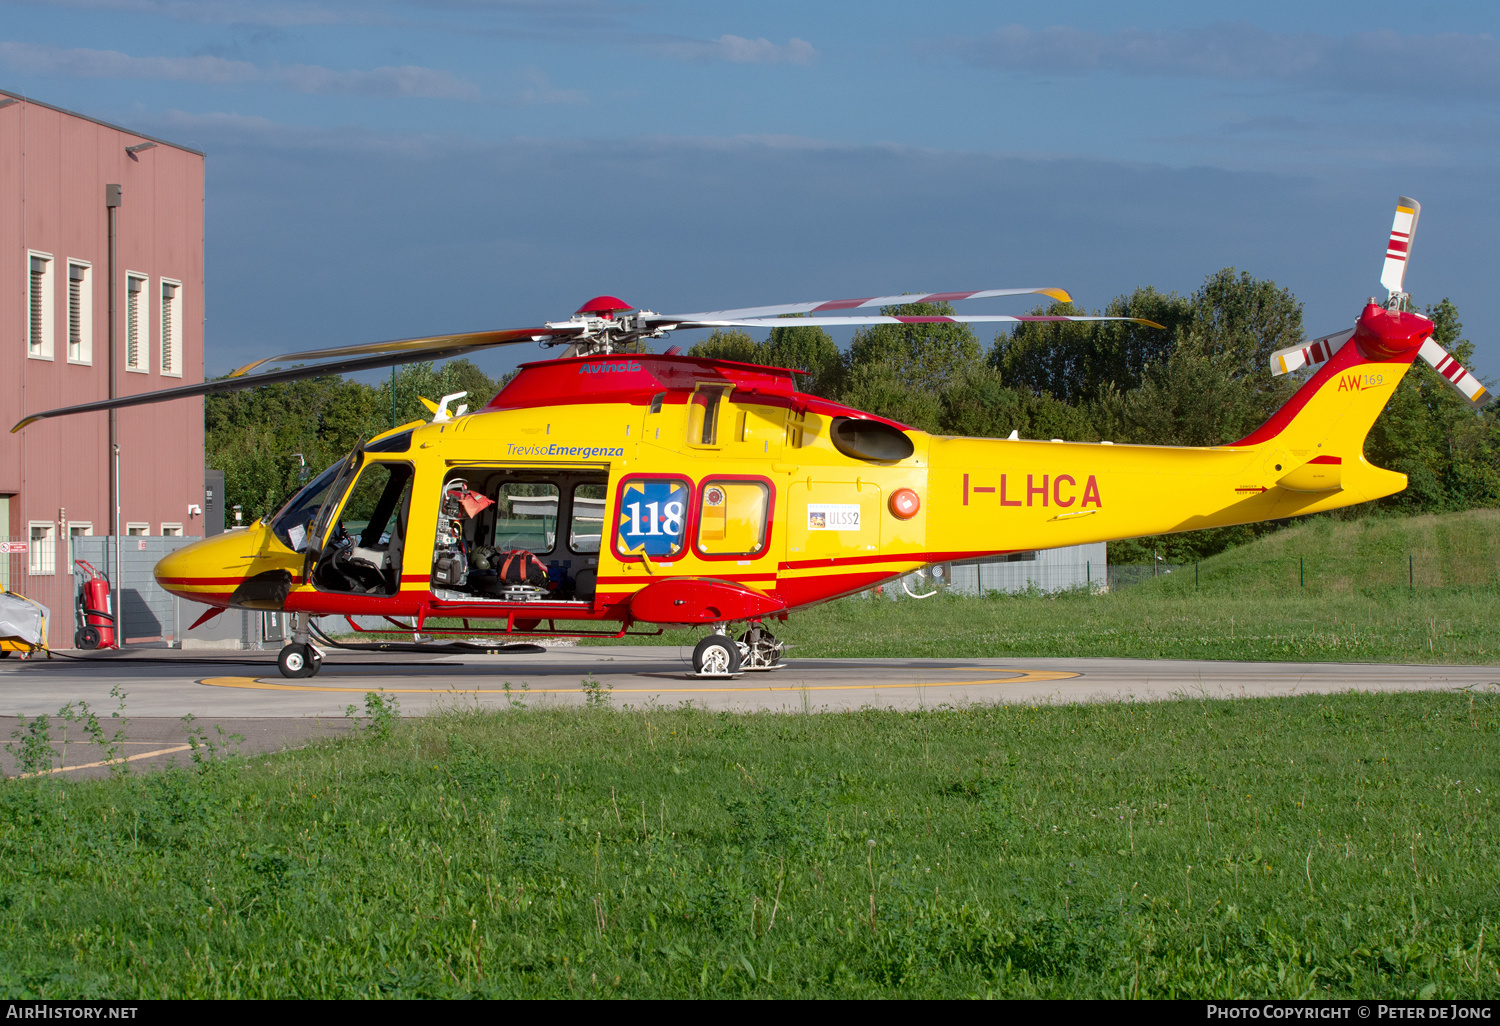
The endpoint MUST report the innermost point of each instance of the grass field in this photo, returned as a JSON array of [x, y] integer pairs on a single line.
[[1324, 590], [1316, 846]]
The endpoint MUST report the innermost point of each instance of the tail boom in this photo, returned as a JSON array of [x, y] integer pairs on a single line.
[[1000, 495]]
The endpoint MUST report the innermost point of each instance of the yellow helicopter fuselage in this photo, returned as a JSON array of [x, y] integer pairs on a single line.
[[668, 489]]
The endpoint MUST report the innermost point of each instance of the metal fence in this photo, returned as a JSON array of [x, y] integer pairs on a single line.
[[33, 567], [42, 569], [1319, 574]]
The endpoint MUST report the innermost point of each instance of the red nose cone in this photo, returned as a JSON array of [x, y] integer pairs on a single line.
[[603, 306]]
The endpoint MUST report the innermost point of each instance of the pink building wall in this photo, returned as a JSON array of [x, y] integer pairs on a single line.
[[54, 166]]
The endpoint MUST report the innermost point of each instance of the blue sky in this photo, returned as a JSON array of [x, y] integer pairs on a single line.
[[381, 170]]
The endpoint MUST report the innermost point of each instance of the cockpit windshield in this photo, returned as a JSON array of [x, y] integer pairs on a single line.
[[290, 523]]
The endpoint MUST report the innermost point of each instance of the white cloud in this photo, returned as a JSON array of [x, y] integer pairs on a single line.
[[404, 81], [738, 50], [1383, 60]]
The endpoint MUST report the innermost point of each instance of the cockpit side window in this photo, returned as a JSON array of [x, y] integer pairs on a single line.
[[290, 523]]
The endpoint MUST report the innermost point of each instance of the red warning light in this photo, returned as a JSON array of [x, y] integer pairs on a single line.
[[904, 504]]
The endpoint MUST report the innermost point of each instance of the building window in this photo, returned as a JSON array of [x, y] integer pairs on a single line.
[[39, 307], [77, 530], [171, 530], [137, 324], [171, 328], [80, 312], [137, 530], [43, 548]]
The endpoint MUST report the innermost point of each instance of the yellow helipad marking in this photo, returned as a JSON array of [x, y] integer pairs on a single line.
[[114, 762], [1021, 677]]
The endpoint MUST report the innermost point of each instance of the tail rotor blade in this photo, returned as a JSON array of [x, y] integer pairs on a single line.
[[1311, 354], [1398, 249], [1455, 373]]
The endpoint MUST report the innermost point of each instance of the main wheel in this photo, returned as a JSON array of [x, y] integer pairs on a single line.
[[298, 661], [87, 638], [717, 655]]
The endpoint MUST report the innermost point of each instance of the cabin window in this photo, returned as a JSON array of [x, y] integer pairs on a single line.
[[652, 517], [526, 516], [588, 518], [733, 518]]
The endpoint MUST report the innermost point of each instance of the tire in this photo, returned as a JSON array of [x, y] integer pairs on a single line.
[[87, 638], [717, 656], [297, 661]]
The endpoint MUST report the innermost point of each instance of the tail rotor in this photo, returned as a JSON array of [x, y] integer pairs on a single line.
[[1312, 355]]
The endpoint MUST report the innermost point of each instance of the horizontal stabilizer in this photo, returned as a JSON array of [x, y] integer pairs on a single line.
[[1320, 474]]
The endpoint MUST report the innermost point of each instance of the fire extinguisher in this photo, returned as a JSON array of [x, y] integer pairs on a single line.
[[96, 617]]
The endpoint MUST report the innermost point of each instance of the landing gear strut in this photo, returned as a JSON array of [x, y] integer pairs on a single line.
[[761, 647], [299, 658]]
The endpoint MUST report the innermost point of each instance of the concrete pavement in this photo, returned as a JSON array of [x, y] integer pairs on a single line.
[[244, 693]]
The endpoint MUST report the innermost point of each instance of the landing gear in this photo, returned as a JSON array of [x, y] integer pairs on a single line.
[[762, 649], [716, 656], [298, 660]]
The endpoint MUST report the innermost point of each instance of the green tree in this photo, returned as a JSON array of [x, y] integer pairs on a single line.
[[1072, 361], [806, 348], [728, 344], [925, 356]]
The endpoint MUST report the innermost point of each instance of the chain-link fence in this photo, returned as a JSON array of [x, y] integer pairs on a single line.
[[1317, 574]]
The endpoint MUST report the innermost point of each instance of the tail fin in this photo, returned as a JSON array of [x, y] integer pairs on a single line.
[[1319, 434], [1338, 405]]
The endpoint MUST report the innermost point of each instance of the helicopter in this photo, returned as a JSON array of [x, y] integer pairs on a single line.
[[611, 491]]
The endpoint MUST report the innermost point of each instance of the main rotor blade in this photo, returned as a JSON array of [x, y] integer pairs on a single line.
[[477, 339], [1454, 373], [436, 348], [1309, 354], [777, 322], [1398, 249], [826, 306]]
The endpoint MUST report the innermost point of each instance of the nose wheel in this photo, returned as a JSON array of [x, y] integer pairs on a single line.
[[298, 660]]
